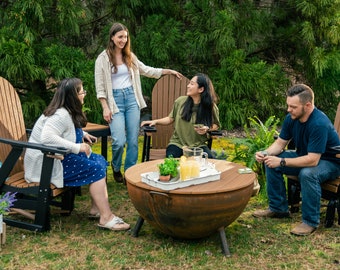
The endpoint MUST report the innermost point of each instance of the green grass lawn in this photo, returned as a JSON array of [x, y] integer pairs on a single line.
[[75, 242]]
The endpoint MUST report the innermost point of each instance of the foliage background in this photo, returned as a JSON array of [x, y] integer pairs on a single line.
[[252, 49]]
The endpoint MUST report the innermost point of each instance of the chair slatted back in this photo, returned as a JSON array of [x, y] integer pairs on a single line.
[[166, 90], [12, 125]]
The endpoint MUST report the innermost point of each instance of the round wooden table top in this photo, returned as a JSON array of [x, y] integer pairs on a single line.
[[230, 180]]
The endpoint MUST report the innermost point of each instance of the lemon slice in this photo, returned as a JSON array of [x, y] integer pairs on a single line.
[[183, 159]]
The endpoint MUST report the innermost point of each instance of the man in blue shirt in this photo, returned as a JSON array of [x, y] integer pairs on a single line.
[[313, 162]]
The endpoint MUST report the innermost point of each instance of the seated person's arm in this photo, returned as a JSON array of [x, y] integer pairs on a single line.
[[162, 121], [309, 160], [277, 147]]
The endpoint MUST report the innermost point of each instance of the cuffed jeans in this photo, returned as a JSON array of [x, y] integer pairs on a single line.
[[125, 128], [310, 179]]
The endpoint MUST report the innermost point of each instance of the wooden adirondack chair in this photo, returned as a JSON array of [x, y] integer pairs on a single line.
[[33, 197], [166, 90], [330, 189]]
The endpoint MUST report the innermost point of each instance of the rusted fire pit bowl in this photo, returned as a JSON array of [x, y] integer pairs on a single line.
[[195, 211]]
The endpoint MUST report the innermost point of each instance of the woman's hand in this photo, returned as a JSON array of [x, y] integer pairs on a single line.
[[148, 123], [88, 138], [177, 74], [84, 147], [173, 72], [107, 114]]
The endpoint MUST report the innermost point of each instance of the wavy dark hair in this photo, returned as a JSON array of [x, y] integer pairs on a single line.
[[205, 108], [127, 55], [66, 96]]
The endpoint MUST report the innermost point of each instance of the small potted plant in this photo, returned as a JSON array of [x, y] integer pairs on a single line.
[[168, 169]]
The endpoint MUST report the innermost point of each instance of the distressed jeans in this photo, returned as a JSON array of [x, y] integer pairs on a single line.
[[125, 128], [310, 179]]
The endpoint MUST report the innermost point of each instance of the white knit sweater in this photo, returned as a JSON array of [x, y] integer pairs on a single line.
[[57, 130]]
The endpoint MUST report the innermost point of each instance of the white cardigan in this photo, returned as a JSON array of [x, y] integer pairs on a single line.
[[102, 76], [57, 130]]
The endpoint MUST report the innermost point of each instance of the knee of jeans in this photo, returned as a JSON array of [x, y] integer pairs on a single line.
[[132, 139], [306, 173], [119, 141]]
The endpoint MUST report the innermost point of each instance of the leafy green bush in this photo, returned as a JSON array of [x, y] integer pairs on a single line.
[[258, 137]]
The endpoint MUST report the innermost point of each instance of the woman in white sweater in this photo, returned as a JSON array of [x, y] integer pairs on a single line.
[[118, 86], [61, 125]]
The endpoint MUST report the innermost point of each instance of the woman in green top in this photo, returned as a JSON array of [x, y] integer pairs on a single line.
[[193, 116]]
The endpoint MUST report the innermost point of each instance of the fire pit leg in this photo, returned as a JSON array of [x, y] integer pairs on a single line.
[[138, 226], [225, 248]]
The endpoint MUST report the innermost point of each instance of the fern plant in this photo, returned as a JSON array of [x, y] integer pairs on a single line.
[[259, 136]]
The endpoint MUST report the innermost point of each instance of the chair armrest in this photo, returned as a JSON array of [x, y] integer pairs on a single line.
[[146, 143], [211, 134], [17, 150], [149, 128], [41, 147], [215, 133]]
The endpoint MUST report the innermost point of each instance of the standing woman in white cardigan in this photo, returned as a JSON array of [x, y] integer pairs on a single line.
[[118, 86], [60, 125]]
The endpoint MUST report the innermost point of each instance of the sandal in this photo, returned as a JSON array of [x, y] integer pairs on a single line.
[[115, 224], [93, 216]]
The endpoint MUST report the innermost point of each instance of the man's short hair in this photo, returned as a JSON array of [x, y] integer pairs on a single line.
[[304, 92]]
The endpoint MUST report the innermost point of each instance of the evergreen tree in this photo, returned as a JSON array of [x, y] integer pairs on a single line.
[[251, 49]]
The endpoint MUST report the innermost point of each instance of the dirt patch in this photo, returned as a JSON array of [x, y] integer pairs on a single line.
[[234, 133]]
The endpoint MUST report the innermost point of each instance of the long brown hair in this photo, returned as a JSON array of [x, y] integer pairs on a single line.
[[66, 96], [127, 55]]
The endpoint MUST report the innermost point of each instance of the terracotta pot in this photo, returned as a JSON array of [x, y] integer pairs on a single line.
[[165, 178]]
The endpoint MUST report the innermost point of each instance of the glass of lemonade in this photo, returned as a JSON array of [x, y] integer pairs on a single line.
[[189, 169]]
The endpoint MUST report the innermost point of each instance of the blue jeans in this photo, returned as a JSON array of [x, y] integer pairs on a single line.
[[310, 179], [125, 128]]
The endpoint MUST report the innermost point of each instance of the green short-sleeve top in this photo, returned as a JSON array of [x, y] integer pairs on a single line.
[[184, 133]]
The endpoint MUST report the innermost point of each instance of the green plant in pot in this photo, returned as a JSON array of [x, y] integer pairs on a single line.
[[168, 169]]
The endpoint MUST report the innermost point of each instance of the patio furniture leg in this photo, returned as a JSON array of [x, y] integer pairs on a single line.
[[225, 248], [330, 213], [138, 226], [293, 195]]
